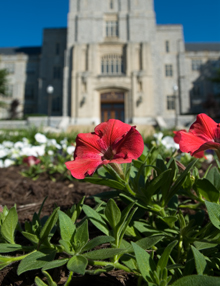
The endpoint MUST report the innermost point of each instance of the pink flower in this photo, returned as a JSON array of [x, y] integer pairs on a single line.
[[203, 134], [112, 142], [31, 160]]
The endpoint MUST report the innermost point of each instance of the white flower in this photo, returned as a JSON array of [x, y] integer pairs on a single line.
[[159, 137], [50, 152], [40, 138], [1, 164], [25, 140], [4, 152], [70, 149], [19, 145], [209, 158], [169, 143], [8, 163], [8, 144]]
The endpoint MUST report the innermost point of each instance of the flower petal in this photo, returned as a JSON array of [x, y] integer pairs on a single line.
[[130, 145], [188, 142], [87, 146], [207, 146], [111, 130], [204, 127], [81, 167]]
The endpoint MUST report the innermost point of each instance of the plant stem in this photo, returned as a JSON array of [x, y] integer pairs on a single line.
[[118, 170], [69, 279], [115, 265]]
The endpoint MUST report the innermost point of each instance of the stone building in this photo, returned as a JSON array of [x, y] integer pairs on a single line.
[[114, 61]]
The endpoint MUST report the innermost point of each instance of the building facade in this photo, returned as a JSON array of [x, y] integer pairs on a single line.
[[114, 61]]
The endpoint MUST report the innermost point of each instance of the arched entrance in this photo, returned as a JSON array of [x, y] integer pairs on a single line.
[[112, 105]]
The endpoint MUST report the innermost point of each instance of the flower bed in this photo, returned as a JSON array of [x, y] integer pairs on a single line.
[[159, 223]]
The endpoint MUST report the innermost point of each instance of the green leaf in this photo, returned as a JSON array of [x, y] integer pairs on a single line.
[[129, 261], [197, 280], [81, 236], [199, 260], [49, 279], [39, 282], [55, 264], [207, 190], [169, 220], [148, 242], [214, 213], [162, 263], [104, 253], [78, 210], [97, 241], [214, 177], [77, 264], [35, 260], [67, 227], [204, 245], [68, 248], [9, 225], [156, 183], [106, 182], [32, 237], [144, 261], [112, 213], [6, 248], [51, 221], [174, 189], [96, 219]]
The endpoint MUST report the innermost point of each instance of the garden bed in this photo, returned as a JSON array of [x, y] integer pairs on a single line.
[[28, 196]]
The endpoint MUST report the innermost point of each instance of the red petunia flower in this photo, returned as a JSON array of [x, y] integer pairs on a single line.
[[203, 134], [31, 160], [112, 142]]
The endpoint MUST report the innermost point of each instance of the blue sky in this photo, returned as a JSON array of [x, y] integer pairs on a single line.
[[22, 22]]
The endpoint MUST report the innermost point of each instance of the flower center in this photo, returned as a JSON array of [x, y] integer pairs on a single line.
[[109, 154]]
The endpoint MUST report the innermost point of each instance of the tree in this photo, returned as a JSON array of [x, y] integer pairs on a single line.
[[3, 86], [3, 81]]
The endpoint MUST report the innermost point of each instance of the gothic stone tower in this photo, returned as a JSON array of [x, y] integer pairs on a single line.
[[119, 63]]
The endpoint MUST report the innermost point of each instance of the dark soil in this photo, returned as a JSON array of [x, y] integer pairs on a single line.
[[28, 196]]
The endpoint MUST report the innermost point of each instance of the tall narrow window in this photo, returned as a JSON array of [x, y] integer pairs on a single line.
[[29, 91], [111, 4], [171, 102], [167, 46], [111, 29], [56, 72], [112, 65], [57, 48], [168, 70]]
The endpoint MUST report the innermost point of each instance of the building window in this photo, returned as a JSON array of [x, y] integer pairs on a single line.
[[112, 64], [56, 106], [57, 48], [9, 90], [29, 91], [168, 70], [196, 91], [196, 65], [167, 46], [10, 67], [111, 4], [30, 68], [56, 72], [111, 28], [171, 102]]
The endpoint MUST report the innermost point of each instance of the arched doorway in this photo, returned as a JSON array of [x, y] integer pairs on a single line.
[[112, 105]]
